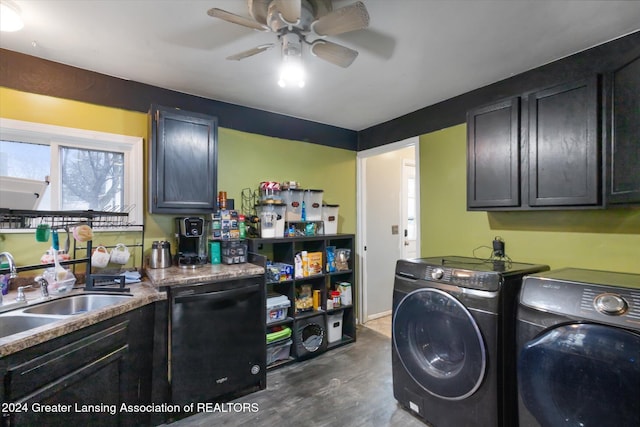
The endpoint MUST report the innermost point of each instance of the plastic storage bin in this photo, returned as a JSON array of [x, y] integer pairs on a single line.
[[293, 202], [233, 251], [278, 351], [272, 217], [277, 308], [334, 327], [280, 335], [330, 218], [313, 204]]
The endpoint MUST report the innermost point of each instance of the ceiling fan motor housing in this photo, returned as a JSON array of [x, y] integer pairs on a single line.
[[277, 23]]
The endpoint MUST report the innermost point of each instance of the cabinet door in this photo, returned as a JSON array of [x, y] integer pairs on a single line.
[[81, 374], [623, 155], [183, 162], [493, 155], [564, 145]]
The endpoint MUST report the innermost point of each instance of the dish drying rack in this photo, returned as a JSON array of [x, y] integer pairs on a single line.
[[12, 219]]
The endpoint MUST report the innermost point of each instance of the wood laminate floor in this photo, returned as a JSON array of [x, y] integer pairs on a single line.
[[349, 386]]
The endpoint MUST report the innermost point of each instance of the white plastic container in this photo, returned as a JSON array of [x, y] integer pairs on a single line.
[[277, 308], [334, 327], [330, 218], [269, 221], [313, 204], [345, 293], [293, 200], [280, 211]]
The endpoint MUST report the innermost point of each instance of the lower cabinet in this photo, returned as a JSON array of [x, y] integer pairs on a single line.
[[297, 328], [83, 378]]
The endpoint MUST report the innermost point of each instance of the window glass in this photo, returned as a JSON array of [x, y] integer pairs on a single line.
[[84, 169], [91, 179]]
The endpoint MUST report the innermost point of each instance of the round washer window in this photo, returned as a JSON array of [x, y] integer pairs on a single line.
[[439, 344], [582, 375]]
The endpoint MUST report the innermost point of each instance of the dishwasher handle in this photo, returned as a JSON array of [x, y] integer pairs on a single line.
[[218, 295]]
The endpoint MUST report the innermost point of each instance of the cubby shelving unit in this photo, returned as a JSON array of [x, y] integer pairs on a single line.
[[284, 250]]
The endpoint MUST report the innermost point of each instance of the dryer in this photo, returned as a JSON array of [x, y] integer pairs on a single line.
[[578, 338], [453, 339]]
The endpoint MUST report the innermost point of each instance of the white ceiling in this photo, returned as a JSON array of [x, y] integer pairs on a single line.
[[415, 53]]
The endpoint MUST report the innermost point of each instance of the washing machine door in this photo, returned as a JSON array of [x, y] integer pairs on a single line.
[[581, 375], [439, 344]]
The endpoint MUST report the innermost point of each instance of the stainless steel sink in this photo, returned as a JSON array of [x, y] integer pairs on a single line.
[[10, 325], [75, 304]]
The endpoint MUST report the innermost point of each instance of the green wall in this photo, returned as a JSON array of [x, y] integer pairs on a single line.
[[244, 160], [596, 239]]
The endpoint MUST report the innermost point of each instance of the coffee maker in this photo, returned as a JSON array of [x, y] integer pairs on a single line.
[[192, 242]]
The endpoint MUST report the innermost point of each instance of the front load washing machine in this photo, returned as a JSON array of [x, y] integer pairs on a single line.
[[578, 335], [453, 339]]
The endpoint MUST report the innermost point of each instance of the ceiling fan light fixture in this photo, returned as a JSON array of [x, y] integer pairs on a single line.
[[291, 72], [10, 19]]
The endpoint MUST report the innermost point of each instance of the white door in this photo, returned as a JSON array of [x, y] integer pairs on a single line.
[[380, 223], [409, 229]]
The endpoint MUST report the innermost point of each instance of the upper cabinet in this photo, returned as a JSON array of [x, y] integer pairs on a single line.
[[182, 162], [564, 145], [543, 152], [623, 130], [493, 155]]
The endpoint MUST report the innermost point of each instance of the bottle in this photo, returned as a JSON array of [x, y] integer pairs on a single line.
[[304, 212], [242, 227]]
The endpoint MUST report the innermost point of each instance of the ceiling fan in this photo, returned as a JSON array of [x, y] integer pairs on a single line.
[[301, 21]]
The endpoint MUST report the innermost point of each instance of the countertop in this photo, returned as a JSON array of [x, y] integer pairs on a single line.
[[143, 293], [152, 288], [162, 278]]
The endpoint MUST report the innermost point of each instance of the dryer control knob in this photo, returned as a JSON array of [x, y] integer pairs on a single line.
[[437, 273], [610, 304]]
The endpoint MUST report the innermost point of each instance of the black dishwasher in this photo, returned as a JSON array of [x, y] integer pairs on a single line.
[[217, 340]]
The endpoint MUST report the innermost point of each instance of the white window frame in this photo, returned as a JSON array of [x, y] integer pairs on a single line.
[[131, 146]]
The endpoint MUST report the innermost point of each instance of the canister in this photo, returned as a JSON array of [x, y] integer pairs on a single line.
[[313, 204], [270, 191], [271, 219], [330, 218], [292, 198]]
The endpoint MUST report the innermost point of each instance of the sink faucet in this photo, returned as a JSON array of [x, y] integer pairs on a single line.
[[13, 272], [43, 286]]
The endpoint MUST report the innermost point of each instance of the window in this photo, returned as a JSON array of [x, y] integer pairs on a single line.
[[85, 169]]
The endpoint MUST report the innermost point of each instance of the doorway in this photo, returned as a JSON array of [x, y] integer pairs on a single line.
[[388, 221]]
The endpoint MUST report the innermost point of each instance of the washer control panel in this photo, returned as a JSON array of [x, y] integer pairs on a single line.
[[616, 306], [482, 280]]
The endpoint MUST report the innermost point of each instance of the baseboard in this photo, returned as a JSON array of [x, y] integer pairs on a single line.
[[379, 315]]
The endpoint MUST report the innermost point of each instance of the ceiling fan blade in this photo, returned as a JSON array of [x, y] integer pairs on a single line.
[[259, 9], [236, 19], [348, 18], [250, 52], [321, 8], [334, 53], [289, 9]]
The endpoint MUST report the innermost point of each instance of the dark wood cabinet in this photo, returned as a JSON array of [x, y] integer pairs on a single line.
[[84, 377], [564, 145], [182, 162], [623, 131], [493, 155], [541, 153]]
